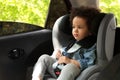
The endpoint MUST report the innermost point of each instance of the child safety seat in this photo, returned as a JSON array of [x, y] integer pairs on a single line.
[[105, 30]]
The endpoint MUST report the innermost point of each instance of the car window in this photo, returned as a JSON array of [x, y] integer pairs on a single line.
[[15, 14], [9, 28], [111, 6], [30, 11]]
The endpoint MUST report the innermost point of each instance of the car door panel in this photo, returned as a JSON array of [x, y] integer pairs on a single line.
[[19, 51]]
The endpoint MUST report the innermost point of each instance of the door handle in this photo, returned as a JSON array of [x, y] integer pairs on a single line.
[[16, 53]]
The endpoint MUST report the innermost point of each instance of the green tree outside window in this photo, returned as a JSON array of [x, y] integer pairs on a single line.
[[111, 6], [28, 11]]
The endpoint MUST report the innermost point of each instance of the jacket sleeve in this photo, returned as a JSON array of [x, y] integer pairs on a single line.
[[88, 58]]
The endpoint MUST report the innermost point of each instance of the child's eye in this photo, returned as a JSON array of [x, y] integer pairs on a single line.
[[80, 27]]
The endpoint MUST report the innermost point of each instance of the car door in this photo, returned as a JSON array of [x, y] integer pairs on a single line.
[[21, 43], [17, 51]]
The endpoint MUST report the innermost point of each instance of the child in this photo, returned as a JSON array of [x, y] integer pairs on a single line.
[[77, 56]]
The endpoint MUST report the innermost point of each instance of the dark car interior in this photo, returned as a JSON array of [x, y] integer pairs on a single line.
[[20, 51]]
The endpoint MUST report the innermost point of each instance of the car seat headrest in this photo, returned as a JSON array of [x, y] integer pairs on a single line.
[[66, 26], [96, 22]]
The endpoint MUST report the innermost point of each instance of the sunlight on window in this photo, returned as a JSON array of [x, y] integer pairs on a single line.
[[111, 6], [28, 11]]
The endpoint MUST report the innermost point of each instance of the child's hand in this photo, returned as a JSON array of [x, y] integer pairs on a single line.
[[58, 54], [66, 60]]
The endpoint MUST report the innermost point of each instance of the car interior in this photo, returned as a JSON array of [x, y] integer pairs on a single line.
[[19, 52]]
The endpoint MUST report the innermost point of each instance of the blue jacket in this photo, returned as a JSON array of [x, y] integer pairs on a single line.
[[85, 55]]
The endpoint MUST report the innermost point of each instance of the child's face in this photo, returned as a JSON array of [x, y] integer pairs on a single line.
[[80, 29]]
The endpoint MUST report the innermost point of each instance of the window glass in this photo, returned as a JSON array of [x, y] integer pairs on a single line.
[[17, 16], [28, 11], [111, 7], [8, 28]]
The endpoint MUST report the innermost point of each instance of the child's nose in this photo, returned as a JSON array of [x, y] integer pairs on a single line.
[[76, 30]]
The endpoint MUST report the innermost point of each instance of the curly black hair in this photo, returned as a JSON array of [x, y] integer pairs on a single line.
[[88, 13]]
